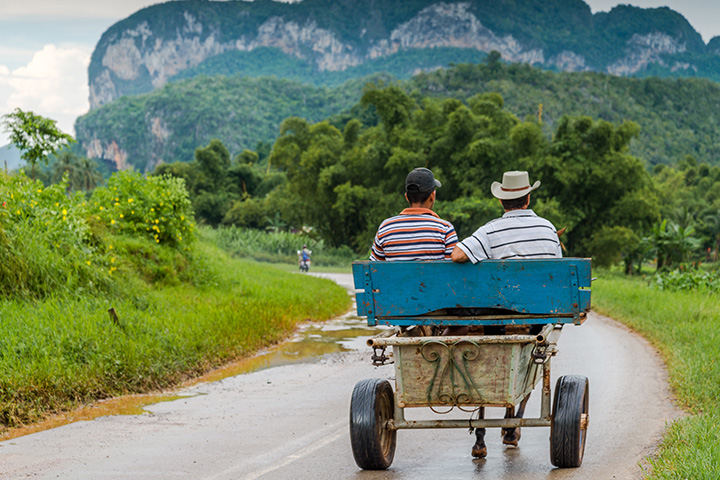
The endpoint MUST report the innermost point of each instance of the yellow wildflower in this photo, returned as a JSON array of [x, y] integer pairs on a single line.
[[130, 200], [88, 262], [64, 211], [112, 260], [112, 222], [122, 216]]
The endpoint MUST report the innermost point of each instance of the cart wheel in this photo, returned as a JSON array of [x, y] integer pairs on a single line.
[[372, 405], [569, 421]]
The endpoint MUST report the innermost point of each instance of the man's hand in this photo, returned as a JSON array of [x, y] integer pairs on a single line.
[[458, 255]]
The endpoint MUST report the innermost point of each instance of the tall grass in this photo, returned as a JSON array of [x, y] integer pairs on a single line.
[[278, 247], [184, 306], [64, 350], [685, 327]]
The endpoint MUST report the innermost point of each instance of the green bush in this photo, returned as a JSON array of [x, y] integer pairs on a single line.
[[688, 279], [157, 207], [46, 244]]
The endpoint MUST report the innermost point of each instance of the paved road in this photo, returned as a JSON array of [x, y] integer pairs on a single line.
[[291, 422]]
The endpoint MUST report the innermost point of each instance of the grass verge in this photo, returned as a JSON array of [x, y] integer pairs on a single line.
[[61, 351], [685, 327]]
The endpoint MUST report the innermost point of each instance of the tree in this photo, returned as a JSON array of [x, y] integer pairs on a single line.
[[493, 61], [67, 164], [34, 135], [613, 244], [712, 223], [597, 182], [87, 174], [214, 161]]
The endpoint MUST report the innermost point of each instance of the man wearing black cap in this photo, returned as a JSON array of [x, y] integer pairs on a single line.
[[417, 233]]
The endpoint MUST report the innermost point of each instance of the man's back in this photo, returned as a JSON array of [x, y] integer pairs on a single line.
[[517, 234], [415, 234]]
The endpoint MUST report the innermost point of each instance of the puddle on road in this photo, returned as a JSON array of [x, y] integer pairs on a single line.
[[310, 342]]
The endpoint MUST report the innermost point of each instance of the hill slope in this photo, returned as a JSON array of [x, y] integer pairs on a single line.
[[144, 51], [169, 124]]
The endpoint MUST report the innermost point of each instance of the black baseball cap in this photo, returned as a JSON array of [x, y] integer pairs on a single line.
[[421, 180]]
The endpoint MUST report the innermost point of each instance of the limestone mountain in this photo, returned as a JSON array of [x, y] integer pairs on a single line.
[[311, 39]]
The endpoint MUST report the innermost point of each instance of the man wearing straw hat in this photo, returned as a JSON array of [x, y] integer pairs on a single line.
[[519, 233]]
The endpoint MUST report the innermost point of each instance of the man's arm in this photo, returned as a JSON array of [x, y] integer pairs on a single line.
[[458, 255]]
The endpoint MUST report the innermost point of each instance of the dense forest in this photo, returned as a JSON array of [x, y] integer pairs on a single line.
[[340, 178], [678, 117]]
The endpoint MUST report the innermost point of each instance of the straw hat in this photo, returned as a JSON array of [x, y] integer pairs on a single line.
[[514, 185]]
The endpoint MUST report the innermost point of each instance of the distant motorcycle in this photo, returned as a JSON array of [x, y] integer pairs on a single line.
[[304, 265], [304, 259]]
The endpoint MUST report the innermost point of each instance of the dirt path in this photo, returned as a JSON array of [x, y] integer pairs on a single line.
[[291, 422]]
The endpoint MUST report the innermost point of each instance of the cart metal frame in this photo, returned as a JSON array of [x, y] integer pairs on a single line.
[[469, 371]]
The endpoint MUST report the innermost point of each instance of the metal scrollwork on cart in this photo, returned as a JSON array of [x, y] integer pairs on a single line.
[[452, 382]]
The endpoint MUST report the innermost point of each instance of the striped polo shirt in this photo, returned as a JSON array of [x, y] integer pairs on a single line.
[[415, 234], [517, 234]]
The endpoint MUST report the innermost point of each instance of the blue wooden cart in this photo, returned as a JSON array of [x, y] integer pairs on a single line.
[[417, 300]]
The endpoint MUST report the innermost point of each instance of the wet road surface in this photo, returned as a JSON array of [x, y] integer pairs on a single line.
[[288, 419]]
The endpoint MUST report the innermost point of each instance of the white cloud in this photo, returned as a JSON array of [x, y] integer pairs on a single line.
[[53, 84], [78, 8]]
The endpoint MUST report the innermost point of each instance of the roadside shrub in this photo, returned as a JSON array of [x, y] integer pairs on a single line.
[[156, 207], [690, 279], [46, 243]]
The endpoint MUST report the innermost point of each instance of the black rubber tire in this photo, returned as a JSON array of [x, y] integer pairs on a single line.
[[372, 405], [568, 431]]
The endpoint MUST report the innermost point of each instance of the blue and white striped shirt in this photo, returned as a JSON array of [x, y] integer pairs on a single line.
[[517, 234]]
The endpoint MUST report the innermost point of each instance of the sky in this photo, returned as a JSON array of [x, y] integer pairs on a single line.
[[45, 48]]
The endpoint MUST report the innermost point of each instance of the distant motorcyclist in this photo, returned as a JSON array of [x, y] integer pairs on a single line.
[[304, 258]]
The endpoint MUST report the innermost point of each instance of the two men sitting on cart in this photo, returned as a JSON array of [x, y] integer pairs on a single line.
[[418, 233]]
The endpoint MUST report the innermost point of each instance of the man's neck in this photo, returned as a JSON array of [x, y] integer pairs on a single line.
[[427, 205]]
